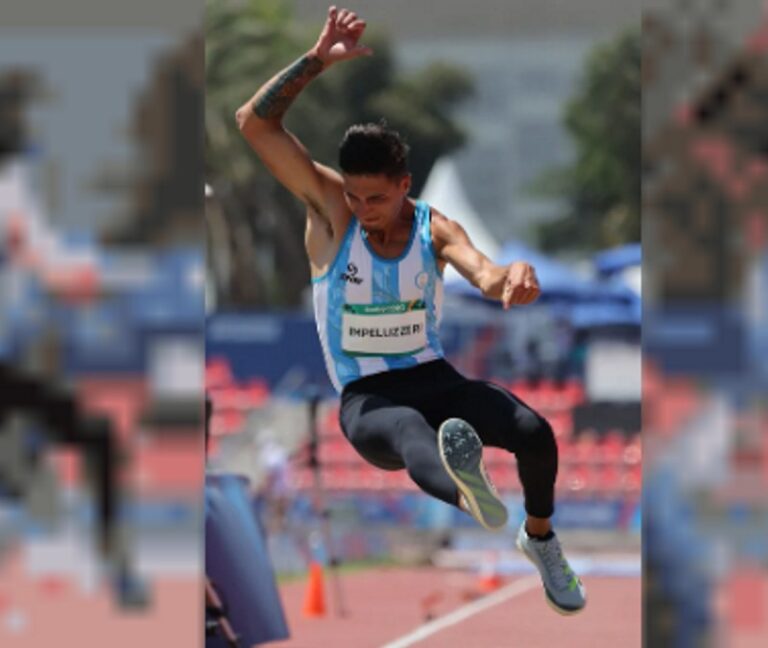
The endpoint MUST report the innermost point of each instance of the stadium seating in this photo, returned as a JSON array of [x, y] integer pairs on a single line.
[[591, 464]]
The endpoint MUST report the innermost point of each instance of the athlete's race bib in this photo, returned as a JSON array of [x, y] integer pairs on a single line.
[[397, 328]]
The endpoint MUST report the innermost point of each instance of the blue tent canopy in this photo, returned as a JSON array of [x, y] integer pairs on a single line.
[[616, 259], [606, 314], [557, 280], [587, 303], [559, 283]]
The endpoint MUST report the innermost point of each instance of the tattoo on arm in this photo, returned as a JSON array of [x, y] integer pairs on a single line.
[[279, 94]]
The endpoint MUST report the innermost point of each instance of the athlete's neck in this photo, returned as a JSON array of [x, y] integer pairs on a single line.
[[401, 223]]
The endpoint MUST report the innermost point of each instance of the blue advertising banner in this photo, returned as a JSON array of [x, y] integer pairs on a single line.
[[237, 562]]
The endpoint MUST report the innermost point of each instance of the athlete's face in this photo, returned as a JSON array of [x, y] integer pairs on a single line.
[[376, 200]]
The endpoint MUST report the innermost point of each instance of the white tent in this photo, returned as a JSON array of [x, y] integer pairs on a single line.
[[445, 192]]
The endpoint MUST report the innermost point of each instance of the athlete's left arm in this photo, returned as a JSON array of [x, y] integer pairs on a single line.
[[513, 284]]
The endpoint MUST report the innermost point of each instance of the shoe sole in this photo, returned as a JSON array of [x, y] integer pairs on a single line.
[[465, 467], [560, 610]]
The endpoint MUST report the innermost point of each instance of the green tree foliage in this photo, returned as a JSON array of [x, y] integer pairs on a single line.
[[602, 185], [246, 44], [162, 189]]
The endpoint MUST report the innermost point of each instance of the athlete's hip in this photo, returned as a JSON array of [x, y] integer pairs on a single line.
[[408, 385]]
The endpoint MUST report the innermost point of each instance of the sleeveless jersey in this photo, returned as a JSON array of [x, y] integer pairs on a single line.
[[375, 314]]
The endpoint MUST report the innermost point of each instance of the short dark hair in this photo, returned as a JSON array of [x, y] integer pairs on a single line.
[[372, 149]]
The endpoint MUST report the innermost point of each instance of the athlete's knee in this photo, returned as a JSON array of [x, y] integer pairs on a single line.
[[412, 423], [537, 437], [425, 470], [420, 456]]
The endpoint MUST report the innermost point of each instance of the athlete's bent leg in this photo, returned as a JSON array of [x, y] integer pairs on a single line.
[[504, 421], [393, 437]]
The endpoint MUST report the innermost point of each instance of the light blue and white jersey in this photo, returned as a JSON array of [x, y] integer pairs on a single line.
[[375, 314]]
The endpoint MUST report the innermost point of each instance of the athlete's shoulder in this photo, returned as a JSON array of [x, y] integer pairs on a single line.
[[444, 230]]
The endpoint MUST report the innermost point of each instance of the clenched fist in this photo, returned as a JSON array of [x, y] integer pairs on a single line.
[[520, 285]]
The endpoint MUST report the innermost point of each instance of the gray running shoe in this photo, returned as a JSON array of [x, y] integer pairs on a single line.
[[461, 452], [565, 592]]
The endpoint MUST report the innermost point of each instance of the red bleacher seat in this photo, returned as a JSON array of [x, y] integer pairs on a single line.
[[573, 392], [227, 422], [334, 449], [167, 466], [330, 421], [547, 396], [341, 476], [565, 449], [608, 479], [585, 449], [633, 452], [611, 448], [575, 480], [218, 373], [254, 394], [397, 480], [520, 388], [503, 474], [301, 478], [562, 423], [632, 479], [373, 478], [510, 478]]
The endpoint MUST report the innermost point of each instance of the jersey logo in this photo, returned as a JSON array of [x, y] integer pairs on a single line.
[[421, 279], [350, 276]]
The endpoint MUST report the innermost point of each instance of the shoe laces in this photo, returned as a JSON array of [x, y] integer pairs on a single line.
[[556, 564]]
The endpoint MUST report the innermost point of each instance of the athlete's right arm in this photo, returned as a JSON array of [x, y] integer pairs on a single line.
[[261, 118]]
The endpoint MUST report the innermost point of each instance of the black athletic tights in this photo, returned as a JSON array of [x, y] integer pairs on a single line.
[[392, 419]]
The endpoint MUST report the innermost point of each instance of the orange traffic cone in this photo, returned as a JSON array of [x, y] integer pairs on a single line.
[[489, 580], [314, 600]]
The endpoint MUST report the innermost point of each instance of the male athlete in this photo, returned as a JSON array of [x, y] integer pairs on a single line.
[[377, 258]]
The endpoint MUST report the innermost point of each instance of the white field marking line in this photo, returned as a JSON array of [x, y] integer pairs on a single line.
[[457, 616]]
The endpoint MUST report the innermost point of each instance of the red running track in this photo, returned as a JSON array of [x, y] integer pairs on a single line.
[[386, 605], [53, 613]]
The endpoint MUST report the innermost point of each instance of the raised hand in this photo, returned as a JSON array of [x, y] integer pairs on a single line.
[[339, 40]]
